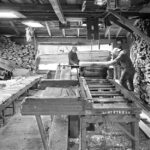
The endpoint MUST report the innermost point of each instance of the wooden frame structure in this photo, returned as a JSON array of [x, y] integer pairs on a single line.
[[9, 95], [112, 109], [109, 103]]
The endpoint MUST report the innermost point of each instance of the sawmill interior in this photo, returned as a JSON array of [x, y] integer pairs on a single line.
[[74, 75]]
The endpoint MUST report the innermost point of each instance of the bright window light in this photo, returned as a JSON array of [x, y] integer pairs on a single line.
[[33, 24], [10, 14]]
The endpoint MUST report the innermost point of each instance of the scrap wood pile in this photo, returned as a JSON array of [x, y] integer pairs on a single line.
[[22, 55], [140, 54]]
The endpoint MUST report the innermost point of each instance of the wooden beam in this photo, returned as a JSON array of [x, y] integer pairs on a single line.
[[107, 31], [48, 29], [37, 7], [117, 22], [58, 10], [14, 27], [52, 106], [134, 24], [64, 40], [125, 22], [57, 83], [119, 30]]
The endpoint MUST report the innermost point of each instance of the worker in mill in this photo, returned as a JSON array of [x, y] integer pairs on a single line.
[[121, 58], [73, 57]]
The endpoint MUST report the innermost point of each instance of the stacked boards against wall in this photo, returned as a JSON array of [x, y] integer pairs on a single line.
[[140, 54]]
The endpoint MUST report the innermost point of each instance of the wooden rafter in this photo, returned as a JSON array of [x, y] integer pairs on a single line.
[[61, 40], [107, 32], [38, 7], [14, 27], [125, 22], [134, 24], [118, 32], [48, 29], [58, 10]]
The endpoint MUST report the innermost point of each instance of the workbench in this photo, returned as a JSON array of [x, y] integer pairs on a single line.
[[13, 89], [95, 101]]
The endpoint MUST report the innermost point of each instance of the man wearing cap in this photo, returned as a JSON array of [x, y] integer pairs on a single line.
[[73, 58]]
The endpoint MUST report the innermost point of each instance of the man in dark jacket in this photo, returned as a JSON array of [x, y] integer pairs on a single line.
[[73, 58]]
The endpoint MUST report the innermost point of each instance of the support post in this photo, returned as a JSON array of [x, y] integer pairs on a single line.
[[42, 132]]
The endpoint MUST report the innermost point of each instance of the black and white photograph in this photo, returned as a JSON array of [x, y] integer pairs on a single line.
[[74, 74]]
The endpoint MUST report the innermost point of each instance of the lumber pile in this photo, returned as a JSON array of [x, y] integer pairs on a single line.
[[23, 56], [140, 54]]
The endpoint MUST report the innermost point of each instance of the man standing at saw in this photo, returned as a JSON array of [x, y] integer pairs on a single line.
[[121, 58], [73, 58]]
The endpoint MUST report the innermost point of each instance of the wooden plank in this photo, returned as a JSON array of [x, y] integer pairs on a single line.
[[105, 94], [101, 86], [57, 83], [97, 81], [111, 117], [115, 106], [103, 89], [50, 100], [53, 106], [144, 128], [109, 100]]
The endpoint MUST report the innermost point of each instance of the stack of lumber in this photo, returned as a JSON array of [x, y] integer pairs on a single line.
[[22, 55], [140, 54]]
